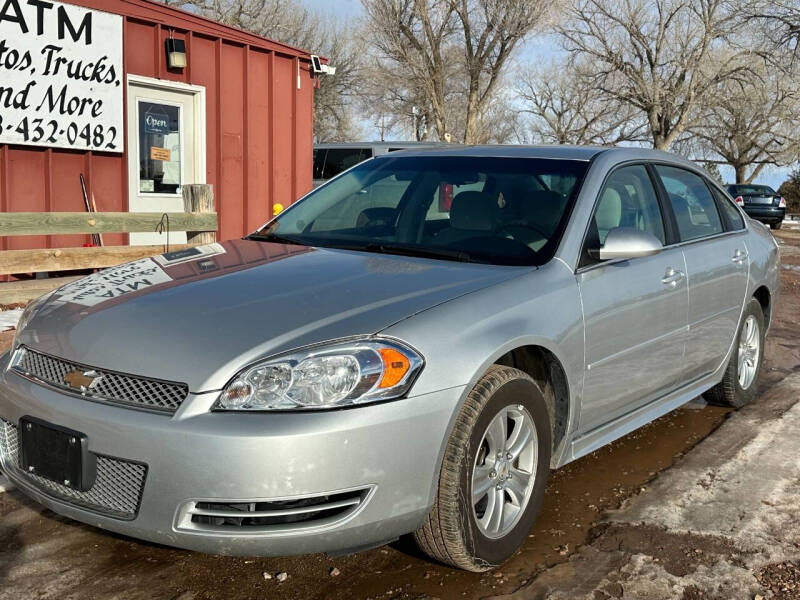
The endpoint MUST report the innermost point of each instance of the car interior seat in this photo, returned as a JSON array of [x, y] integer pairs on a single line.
[[609, 213], [472, 214]]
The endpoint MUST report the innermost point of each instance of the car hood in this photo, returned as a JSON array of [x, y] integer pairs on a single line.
[[199, 315]]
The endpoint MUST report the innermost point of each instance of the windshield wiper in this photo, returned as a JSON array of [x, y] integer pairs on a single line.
[[278, 239], [380, 248], [408, 250]]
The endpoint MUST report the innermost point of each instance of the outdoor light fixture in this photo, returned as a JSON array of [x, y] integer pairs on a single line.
[[176, 53], [319, 69]]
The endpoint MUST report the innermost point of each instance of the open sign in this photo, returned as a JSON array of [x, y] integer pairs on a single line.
[[156, 122]]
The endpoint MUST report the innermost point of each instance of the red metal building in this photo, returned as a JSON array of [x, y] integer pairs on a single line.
[[237, 116]]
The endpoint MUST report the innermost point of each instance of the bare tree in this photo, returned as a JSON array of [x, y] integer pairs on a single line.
[[451, 54], [779, 21], [566, 107], [751, 124], [411, 40], [290, 22], [491, 30], [335, 116], [660, 58]]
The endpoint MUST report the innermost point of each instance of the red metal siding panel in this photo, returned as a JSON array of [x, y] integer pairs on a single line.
[[204, 72], [284, 88], [259, 206], [230, 194], [258, 127], [138, 48], [108, 190], [26, 187], [66, 166]]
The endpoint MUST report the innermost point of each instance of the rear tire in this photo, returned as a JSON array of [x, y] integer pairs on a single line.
[[461, 531], [739, 384], [776, 225]]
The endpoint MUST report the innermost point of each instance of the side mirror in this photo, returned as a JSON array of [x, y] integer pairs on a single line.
[[626, 242]]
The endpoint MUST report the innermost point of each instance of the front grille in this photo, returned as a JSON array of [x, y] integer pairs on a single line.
[[274, 515], [116, 388], [116, 492]]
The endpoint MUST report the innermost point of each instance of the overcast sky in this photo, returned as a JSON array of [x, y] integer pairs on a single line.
[[537, 48]]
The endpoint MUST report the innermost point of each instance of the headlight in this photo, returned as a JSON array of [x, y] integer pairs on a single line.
[[27, 315], [329, 376]]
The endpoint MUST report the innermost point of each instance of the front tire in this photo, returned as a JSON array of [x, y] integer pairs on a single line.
[[493, 475], [776, 225], [739, 384]]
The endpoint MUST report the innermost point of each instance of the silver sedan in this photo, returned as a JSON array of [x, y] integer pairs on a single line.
[[408, 349]]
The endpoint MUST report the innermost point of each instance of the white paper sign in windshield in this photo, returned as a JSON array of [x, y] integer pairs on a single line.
[[60, 76]]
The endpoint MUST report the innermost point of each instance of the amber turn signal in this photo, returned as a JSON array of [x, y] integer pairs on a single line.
[[395, 367]]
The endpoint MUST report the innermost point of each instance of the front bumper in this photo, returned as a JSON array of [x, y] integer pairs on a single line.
[[766, 213], [390, 451]]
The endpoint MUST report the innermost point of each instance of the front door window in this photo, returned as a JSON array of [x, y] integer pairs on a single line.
[[160, 133]]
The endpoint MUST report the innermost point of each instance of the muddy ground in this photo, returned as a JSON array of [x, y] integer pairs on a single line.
[[579, 545]]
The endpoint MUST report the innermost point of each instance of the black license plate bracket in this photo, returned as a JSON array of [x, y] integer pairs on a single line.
[[56, 453]]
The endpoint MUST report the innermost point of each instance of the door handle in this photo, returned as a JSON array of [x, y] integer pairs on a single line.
[[672, 277], [739, 256]]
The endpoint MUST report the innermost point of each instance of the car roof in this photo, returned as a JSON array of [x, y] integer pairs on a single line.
[[584, 153], [397, 144]]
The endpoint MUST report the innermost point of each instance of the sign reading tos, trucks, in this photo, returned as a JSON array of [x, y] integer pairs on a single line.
[[60, 76]]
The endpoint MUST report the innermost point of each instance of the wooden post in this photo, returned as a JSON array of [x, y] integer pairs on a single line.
[[199, 197]]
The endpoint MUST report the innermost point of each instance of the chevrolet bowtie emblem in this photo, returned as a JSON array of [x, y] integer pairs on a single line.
[[82, 380]]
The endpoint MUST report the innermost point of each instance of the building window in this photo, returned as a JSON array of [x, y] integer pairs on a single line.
[[160, 131]]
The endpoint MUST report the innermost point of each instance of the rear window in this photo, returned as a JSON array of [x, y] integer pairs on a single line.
[[329, 162], [750, 190]]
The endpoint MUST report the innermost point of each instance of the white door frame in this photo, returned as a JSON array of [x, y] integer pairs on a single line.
[[199, 94]]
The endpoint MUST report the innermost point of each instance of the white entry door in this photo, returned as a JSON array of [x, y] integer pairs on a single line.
[[165, 149]]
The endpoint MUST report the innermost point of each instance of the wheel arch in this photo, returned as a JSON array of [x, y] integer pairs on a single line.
[[764, 297], [546, 370]]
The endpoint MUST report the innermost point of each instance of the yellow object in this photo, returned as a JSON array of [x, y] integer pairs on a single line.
[[277, 209]]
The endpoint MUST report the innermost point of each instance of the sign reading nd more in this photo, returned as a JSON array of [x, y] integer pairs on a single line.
[[60, 76]]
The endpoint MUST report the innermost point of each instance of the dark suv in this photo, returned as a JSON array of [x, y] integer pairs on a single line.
[[760, 202]]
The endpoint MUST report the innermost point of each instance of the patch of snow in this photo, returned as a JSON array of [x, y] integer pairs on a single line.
[[5, 484], [10, 318]]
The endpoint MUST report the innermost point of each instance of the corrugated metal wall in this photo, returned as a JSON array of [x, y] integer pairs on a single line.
[[258, 127]]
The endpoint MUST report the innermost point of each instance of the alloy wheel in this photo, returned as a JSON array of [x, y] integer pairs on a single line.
[[504, 472], [749, 352]]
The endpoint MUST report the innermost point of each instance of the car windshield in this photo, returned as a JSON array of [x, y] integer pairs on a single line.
[[507, 211], [750, 190]]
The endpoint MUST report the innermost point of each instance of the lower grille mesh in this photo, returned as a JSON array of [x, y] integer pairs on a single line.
[[116, 492]]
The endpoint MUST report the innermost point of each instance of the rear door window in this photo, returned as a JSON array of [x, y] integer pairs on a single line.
[[732, 216], [694, 207]]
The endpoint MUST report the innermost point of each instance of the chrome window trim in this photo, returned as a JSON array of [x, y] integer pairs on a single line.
[[638, 161]]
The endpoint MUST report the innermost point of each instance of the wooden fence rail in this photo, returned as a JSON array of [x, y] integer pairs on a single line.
[[30, 223], [200, 226]]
